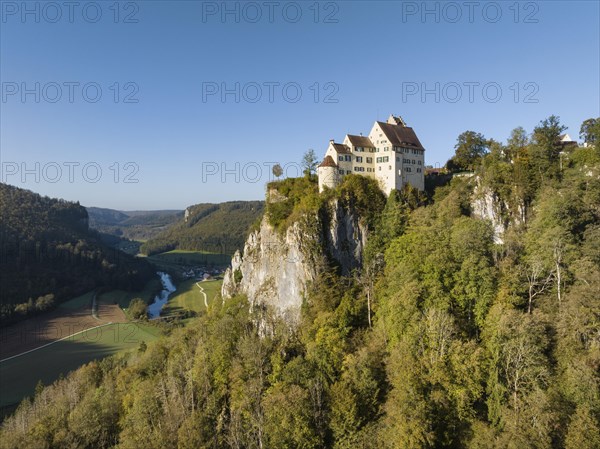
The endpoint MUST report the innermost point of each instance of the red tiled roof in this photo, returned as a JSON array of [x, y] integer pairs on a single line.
[[401, 136], [328, 162], [361, 141], [341, 148]]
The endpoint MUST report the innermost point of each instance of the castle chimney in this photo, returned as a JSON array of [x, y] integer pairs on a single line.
[[331, 141]]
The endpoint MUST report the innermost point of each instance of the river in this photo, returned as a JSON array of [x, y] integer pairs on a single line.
[[161, 299]]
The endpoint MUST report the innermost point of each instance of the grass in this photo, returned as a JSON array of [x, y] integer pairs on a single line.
[[77, 303], [123, 298], [19, 376], [188, 296], [177, 258]]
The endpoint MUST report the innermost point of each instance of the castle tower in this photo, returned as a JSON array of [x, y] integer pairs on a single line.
[[327, 172]]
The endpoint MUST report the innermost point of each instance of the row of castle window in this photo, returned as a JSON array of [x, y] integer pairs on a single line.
[[371, 170], [395, 149], [382, 159]]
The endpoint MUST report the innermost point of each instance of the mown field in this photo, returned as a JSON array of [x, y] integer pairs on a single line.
[[122, 298], [51, 354], [20, 375], [177, 258], [189, 297]]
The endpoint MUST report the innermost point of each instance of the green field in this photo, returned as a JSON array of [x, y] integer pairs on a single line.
[[178, 258], [84, 300], [19, 376], [123, 298], [189, 297]]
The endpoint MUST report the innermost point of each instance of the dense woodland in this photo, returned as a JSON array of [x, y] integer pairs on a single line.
[[48, 254], [136, 225], [216, 228], [443, 339]]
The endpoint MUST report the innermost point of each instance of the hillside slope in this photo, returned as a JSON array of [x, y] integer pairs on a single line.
[[133, 225], [458, 330], [220, 228], [48, 254]]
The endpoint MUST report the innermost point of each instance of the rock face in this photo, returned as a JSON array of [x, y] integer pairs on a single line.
[[277, 268], [487, 205]]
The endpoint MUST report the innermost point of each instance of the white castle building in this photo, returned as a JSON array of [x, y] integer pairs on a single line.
[[391, 153]]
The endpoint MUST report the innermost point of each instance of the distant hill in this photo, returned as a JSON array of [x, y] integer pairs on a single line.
[[48, 253], [133, 225], [219, 228]]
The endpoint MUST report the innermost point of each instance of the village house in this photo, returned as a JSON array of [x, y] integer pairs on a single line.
[[391, 154]]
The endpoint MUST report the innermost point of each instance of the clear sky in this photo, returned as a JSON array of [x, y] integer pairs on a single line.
[[306, 72]]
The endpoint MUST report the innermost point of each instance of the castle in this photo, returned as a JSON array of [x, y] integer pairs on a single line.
[[391, 153]]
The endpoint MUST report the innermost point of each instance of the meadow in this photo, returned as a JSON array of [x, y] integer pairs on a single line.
[[43, 348], [189, 297], [177, 258], [20, 375]]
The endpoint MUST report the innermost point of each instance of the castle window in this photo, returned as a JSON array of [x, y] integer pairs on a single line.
[[348, 158], [359, 158], [348, 172], [418, 170], [419, 162], [408, 169], [341, 172], [397, 158], [380, 168], [369, 160], [340, 158], [413, 161]]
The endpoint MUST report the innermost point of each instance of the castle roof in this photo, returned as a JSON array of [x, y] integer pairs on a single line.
[[401, 136], [360, 141], [341, 148], [328, 162]]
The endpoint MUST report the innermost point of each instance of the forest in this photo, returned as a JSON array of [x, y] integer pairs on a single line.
[[215, 228], [48, 254], [449, 336]]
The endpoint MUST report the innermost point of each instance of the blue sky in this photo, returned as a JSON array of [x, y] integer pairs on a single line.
[[353, 63]]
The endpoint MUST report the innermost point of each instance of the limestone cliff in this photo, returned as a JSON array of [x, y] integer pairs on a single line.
[[276, 268], [488, 205]]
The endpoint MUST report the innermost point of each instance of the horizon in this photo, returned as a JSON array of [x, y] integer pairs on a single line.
[[162, 105]]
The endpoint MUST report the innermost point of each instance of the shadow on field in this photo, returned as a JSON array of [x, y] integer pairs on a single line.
[[20, 375]]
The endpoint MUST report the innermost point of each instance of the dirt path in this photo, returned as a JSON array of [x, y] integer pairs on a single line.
[[203, 294]]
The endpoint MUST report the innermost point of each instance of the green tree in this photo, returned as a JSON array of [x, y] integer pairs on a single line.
[[277, 170], [590, 131], [584, 430], [309, 163], [469, 149], [137, 309]]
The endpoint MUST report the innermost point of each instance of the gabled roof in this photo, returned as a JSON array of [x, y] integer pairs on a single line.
[[360, 141], [565, 138], [341, 148], [328, 162], [401, 136]]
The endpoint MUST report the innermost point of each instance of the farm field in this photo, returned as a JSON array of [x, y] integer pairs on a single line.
[[54, 347], [122, 298], [177, 258], [189, 297], [68, 318], [20, 375]]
